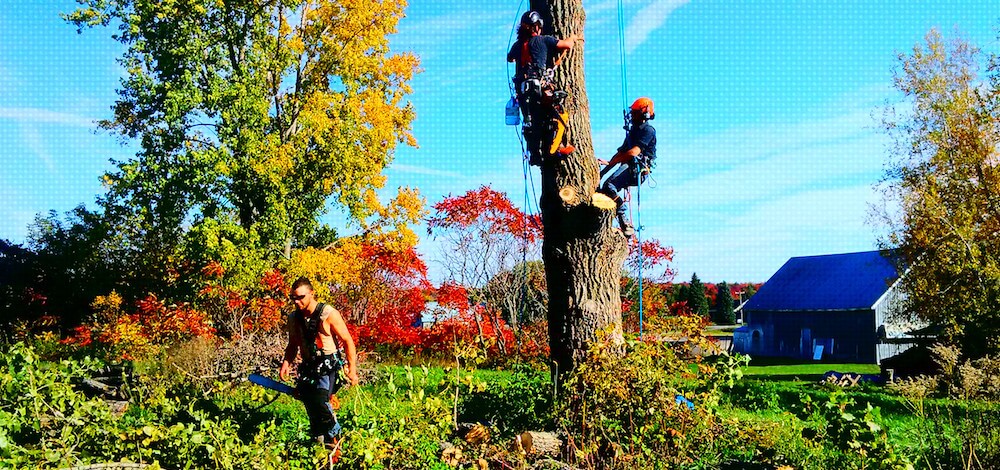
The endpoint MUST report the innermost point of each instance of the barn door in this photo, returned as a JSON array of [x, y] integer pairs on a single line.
[[805, 342]]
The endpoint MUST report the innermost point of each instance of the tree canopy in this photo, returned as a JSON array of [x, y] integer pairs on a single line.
[[251, 116], [944, 179]]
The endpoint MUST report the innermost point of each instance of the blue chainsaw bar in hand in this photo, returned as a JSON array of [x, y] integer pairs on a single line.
[[272, 384]]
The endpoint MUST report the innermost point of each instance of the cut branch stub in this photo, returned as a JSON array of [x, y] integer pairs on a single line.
[[569, 196], [601, 201]]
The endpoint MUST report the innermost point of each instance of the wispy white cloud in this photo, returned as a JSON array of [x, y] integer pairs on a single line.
[[450, 33], [32, 138], [39, 115], [648, 19], [751, 245], [757, 163], [741, 201]]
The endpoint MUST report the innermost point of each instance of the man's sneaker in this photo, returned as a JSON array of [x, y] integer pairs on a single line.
[[566, 150]]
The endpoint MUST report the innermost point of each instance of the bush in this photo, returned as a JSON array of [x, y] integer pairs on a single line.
[[45, 421], [654, 406], [516, 401], [856, 432], [758, 395], [403, 427]]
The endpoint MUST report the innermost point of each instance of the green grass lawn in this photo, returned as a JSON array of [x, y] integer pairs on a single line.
[[721, 330], [788, 369]]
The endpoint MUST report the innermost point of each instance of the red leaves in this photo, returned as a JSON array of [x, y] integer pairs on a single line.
[[213, 270], [163, 323], [405, 264], [489, 208], [274, 282], [258, 310], [654, 256], [81, 337], [711, 291], [453, 296]]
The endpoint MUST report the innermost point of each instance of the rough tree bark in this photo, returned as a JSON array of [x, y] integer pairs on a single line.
[[582, 250]]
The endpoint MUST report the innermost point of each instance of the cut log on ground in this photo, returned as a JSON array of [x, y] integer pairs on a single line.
[[538, 443]]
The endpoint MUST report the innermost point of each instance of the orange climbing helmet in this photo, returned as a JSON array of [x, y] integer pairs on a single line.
[[643, 106]]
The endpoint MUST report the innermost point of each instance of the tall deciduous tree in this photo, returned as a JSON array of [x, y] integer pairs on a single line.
[[583, 252], [485, 236], [251, 113], [943, 184]]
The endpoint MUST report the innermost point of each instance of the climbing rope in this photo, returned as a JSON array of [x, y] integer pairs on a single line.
[[529, 178], [638, 235], [529, 183], [621, 58], [626, 126]]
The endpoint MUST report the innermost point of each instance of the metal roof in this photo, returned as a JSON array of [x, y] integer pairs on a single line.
[[851, 281]]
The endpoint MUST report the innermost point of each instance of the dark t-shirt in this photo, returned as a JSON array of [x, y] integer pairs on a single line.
[[642, 136], [541, 53]]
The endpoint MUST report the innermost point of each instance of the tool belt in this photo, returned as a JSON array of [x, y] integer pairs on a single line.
[[316, 365], [538, 83], [313, 369], [642, 166], [531, 86]]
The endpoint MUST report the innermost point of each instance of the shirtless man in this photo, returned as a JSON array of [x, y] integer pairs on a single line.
[[311, 330]]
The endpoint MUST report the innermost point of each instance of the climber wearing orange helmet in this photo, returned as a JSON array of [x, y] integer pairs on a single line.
[[535, 55], [636, 154]]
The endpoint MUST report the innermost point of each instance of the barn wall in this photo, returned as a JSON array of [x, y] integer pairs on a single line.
[[793, 334], [891, 326]]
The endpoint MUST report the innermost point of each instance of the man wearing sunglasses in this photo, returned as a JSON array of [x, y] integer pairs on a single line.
[[311, 330]]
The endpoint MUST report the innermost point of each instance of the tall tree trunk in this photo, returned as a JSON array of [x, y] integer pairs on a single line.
[[582, 250]]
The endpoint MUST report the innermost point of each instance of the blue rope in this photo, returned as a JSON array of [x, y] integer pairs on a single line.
[[638, 234], [524, 164], [621, 53], [638, 205]]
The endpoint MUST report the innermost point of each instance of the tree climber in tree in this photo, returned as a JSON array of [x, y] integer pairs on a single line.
[[535, 56], [311, 329], [637, 153]]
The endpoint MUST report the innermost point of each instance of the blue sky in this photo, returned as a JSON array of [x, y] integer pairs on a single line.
[[766, 114]]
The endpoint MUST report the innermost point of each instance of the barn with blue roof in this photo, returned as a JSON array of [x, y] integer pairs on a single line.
[[841, 307]]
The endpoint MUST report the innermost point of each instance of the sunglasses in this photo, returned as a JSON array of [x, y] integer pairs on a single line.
[[296, 297]]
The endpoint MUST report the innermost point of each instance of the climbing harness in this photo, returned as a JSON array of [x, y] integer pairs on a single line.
[[316, 364], [533, 90]]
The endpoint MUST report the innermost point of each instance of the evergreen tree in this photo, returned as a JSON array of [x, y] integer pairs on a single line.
[[680, 293], [724, 314], [696, 296]]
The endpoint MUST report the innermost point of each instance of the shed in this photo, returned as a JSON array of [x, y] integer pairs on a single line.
[[842, 307]]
